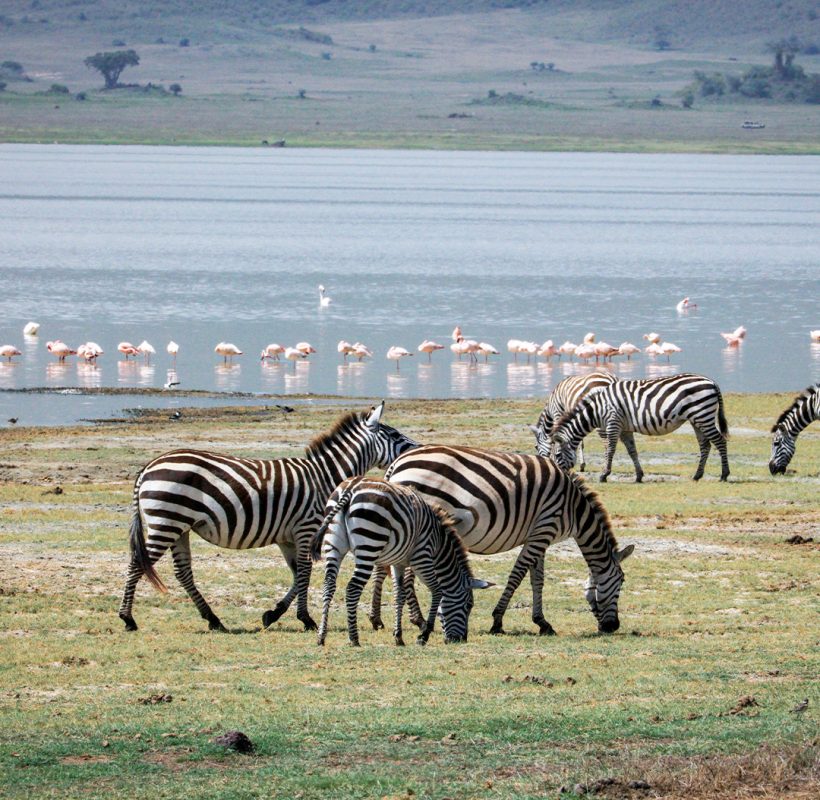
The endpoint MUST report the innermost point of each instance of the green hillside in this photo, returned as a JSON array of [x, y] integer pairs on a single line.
[[473, 73]]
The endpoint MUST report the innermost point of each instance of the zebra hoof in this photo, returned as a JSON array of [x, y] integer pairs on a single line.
[[399, 641], [354, 643], [130, 625], [545, 629], [497, 629], [309, 624], [602, 478], [215, 625], [270, 616], [419, 622], [321, 641], [421, 641], [376, 622]]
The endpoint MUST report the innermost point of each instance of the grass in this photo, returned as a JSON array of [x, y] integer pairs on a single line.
[[717, 608]]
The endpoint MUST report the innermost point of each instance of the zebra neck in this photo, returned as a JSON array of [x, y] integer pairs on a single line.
[[799, 418], [599, 555], [336, 467]]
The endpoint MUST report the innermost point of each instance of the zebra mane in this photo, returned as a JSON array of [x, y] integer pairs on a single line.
[[342, 425], [600, 513], [448, 525], [568, 415], [806, 393]]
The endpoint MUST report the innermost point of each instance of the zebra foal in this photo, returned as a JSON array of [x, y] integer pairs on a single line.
[[241, 503], [390, 525], [652, 407], [504, 500], [799, 415]]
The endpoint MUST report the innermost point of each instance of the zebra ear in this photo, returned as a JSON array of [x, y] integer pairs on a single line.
[[375, 415], [621, 555], [477, 583], [534, 429]]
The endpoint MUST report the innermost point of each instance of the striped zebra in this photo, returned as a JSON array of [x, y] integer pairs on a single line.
[[386, 524], [652, 407], [503, 500], [800, 414], [240, 503], [564, 397]]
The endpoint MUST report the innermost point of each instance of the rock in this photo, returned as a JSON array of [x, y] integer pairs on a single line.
[[234, 740]]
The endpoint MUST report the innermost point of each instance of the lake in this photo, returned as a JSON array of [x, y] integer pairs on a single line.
[[202, 245]]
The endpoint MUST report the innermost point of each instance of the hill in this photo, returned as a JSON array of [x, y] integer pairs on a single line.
[[591, 73]]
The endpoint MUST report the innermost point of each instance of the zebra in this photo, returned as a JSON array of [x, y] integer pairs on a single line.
[[801, 413], [389, 524], [502, 500], [241, 503], [564, 397], [653, 407]]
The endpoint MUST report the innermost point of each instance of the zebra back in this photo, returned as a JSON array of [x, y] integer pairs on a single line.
[[804, 410]]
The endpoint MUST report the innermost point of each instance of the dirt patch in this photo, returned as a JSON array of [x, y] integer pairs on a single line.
[[84, 759]]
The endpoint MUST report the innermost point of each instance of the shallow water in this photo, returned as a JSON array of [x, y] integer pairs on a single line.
[[204, 245]]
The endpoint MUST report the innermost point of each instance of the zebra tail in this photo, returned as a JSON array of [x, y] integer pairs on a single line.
[[139, 551], [340, 505], [723, 426]]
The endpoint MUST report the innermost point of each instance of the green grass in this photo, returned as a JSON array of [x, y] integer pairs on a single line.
[[716, 607]]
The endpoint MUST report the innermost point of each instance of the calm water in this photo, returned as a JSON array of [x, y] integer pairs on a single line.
[[202, 245]]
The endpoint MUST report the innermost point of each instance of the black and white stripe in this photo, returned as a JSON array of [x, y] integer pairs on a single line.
[[800, 414], [241, 503], [505, 500], [563, 398], [652, 407], [383, 525]]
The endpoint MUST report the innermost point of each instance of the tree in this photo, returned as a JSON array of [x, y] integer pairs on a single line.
[[784, 52], [110, 65], [175, 88]]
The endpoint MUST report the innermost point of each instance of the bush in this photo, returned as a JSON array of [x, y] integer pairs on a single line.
[[58, 88], [14, 67], [118, 43], [327, 56], [813, 90], [176, 89], [81, 96], [184, 42], [688, 100], [3, 85], [708, 85]]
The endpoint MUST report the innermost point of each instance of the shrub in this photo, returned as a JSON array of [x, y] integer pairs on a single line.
[[327, 56], [58, 88], [813, 90], [3, 85], [118, 43], [81, 96], [709, 85], [12, 66], [175, 89], [688, 99], [184, 42]]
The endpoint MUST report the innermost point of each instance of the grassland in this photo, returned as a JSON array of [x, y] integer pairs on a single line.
[[694, 695], [406, 75]]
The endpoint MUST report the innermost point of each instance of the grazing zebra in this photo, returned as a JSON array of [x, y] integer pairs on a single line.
[[801, 413], [240, 503], [503, 500], [387, 524], [653, 407], [564, 397]]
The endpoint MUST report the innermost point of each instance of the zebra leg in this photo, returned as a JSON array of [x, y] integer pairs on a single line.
[[331, 574], [375, 613], [530, 554], [398, 582], [613, 433], [181, 553], [582, 464], [361, 574], [537, 581], [705, 446], [427, 574], [156, 549], [304, 566], [270, 616], [413, 606], [628, 439]]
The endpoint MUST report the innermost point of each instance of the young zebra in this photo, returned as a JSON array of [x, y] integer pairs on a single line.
[[800, 414], [391, 525], [564, 397], [652, 407], [240, 503], [503, 500]]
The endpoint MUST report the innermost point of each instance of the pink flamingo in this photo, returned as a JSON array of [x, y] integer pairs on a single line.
[[605, 351], [172, 348], [628, 349], [585, 351], [90, 351], [685, 305], [487, 350], [429, 346], [344, 349], [653, 349], [272, 351], [589, 338], [362, 351], [9, 351], [668, 349], [815, 335], [568, 348], [652, 338], [514, 347], [396, 354], [60, 349], [305, 347], [31, 329], [128, 349], [456, 335], [227, 350], [548, 350], [147, 349], [294, 355], [734, 338]]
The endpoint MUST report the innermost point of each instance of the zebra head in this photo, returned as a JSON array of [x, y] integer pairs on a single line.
[[602, 591], [388, 443], [456, 606], [543, 444], [562, 452], [783, 444]]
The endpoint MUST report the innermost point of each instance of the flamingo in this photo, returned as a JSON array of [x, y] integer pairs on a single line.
[[734, 338], [628, 349], [459, 348], [60, 349], [147, 349], [172, 348], [487, 350], [396, 354], [227, 350], [548, 350], [653, 349], [685, 305], [605, 351], [456, 335], [429, 346], [530, 348], [669, 349], [272, 351], [652, 338], [362, 351], [128, 349], [589, 338], [294, 355], [568, 348], [31, 329], [815, 335], [514, 347], [90, 351], [585, 351], [8, 351], [344, 349], [305, 347], [324, 300]]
